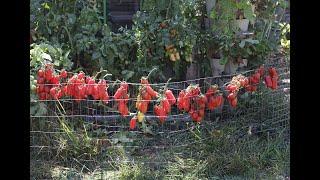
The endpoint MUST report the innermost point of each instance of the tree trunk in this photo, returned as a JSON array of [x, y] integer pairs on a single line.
[[231, 67], [209, 5], [192, 72], [216, 67]]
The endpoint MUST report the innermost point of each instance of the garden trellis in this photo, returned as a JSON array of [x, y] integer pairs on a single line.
[[264, 111]]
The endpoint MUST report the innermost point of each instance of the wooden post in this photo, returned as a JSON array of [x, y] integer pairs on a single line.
[[105, 11]]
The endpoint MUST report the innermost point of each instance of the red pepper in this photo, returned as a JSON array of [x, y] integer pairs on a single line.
[[133, 123], [268, 81]]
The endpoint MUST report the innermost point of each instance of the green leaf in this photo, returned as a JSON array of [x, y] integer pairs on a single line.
[[42, 109], [45, 5], [56, 63], [148, 130], [33, 109], [180, 44], [223, 60], [96, 55], [127, 74], [46, 57], [252, 41], [242, 43], [213, 14], [245, 95]]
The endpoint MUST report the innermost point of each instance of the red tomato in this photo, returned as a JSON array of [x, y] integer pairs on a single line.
[[146, 96], [43, 96], [143, 107], [232, 96], [41, 73], [254, 88], [211, 103], [156, 110], [125, 97], [63, 73], [261, 70], [124, 85], [273, 72], [53, 92], [82, 91], [186, 103], [209, 93], [118, 93], [166, 105], [151, 91], [41, 88], [180, 100], [40, 80], [201, 112], [81, 75], [274, 83], [231, 87], [55, 79], [46, 89], [48, 73], [219, 100], [160, 113], [194, 115], [105, 98], [170, 97], [199, 118], [59, 94], [133, 123], [268, 81], [257, 76], [144, 80], [234, 102], [242, 82]]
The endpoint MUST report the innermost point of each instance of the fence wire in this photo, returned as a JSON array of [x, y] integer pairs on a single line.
[[89, 122]]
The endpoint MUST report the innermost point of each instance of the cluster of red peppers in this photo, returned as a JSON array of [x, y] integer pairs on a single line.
[[234, 86], [48, 83], [145, 95], [254, 80], [163, 107], [272, 79], [121, 97], [191, 100], [214, 97], [80, 87]]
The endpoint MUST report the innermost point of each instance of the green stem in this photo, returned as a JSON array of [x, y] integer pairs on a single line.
[[117, 81], [284, 11], [104, 11], [166, 85], [97, 16], [271, 22], [167, 13], [151, 72], [69, 36], [74, 7], [99, 73]]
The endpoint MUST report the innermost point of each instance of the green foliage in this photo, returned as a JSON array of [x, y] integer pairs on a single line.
[[43, 52], [78, 26], [179, 16], [263, 25], [285, 37], [39, 55]]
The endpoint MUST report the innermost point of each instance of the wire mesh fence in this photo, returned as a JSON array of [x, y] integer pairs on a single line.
[[90, 127]]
